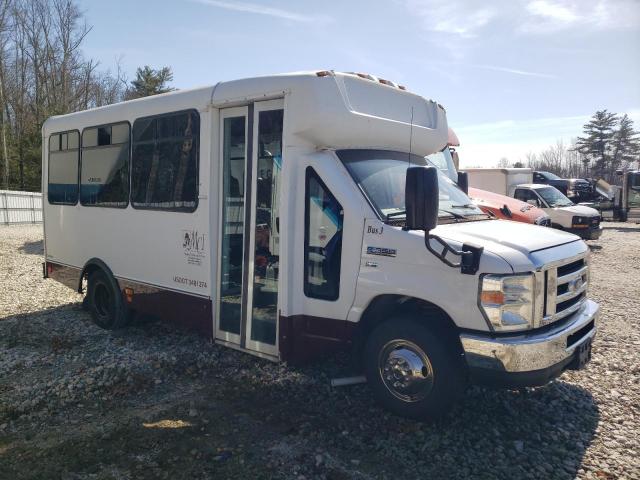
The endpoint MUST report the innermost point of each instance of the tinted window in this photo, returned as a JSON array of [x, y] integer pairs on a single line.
[[63, 168], [165, 162], [323, 240], [104, 177], [524, 195]]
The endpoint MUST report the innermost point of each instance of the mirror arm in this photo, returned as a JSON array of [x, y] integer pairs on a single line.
[[469, 255]]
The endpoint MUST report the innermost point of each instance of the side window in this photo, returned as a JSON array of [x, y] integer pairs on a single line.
[[323, 240], [164, 162], [64, 154], [524, 195], [521, 195], [104, 166], [537, 178]]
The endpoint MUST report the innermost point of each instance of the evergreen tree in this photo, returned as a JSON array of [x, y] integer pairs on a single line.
[[150, 82], [597, 142], [626, 144]]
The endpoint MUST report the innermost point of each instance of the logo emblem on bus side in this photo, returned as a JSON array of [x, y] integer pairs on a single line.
[[382, 251]]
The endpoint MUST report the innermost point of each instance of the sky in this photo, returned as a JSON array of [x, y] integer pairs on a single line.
[[515, 76]]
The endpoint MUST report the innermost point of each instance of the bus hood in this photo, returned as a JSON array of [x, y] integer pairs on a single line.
[[522, 237]]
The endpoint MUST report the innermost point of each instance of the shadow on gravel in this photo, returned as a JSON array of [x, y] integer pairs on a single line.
[[32, 248], [278, 421], [623, 229], [532, 433]]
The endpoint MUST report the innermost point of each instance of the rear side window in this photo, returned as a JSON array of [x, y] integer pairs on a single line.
[[165, 162], [324, 219], [64, 156], [104, 171]]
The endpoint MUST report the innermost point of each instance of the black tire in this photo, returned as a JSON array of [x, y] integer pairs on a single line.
[[428, 395], [104, 301]]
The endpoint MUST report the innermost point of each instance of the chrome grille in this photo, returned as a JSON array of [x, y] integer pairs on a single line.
[[565, 289]]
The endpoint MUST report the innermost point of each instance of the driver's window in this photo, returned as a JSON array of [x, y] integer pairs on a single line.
[[323, 240]]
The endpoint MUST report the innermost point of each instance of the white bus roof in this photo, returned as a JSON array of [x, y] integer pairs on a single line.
[[326, 109]]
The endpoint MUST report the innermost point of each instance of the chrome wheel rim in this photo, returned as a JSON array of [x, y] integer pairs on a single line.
[[405, 370]]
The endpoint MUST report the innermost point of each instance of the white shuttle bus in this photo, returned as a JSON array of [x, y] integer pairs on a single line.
[[291, 215]]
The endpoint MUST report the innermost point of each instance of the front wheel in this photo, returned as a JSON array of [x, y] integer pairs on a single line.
[[414, 371]]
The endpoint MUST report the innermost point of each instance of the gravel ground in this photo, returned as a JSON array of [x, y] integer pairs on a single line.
[[150, 401]]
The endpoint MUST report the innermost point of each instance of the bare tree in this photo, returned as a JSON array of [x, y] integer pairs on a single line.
[[43, 72]]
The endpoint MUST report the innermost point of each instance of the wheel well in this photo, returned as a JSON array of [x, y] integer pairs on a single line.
[[385, 306], [90, 267]]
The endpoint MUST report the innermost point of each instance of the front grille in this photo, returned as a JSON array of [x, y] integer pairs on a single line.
[[565, 289]]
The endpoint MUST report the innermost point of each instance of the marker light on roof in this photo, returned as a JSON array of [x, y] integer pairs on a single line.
[[387, 82], [323, 73]]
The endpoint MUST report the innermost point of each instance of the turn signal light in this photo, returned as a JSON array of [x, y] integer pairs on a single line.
[[492, 297], [128, 293]]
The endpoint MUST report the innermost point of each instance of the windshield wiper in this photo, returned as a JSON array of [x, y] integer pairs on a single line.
[[396, 214], [455, 215], [466, 205]]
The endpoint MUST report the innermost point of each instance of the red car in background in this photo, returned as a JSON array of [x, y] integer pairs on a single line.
[[508, 208], [501, 206]]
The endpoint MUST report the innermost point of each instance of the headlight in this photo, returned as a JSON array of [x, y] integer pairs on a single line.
[[507, 301]]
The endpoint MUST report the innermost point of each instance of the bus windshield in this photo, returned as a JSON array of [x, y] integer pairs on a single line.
[[444, 162], [381, 175], [554, 197]]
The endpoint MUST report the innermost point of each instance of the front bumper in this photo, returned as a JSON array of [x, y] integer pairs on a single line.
[[592, 233], [529, 359]]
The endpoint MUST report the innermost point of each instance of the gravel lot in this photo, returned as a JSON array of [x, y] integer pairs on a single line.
[[150, 401]]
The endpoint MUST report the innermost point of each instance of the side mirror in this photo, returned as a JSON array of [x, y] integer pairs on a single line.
[[421, 198], [533, 202], [463, 182]]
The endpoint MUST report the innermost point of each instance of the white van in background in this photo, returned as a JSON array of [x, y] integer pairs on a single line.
[[517, 183], [290, 215]]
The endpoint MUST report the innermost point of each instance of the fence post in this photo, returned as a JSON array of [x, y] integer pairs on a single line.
[[6, 208], [33, 210]]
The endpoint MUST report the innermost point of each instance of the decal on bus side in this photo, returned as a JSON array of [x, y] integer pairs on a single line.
[[194, 247]]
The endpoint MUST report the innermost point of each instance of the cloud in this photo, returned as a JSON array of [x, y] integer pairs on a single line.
[[258, 9], [525, 73], [550, 16], [463, 19]]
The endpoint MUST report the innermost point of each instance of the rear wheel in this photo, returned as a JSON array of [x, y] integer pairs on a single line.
[[104, 301], [414, 371]]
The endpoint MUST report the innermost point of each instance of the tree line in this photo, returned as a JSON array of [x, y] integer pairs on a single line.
[[609, 143], [43, 72]]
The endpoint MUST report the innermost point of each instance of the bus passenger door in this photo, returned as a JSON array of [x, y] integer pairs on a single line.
[[249, 256]]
